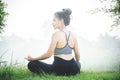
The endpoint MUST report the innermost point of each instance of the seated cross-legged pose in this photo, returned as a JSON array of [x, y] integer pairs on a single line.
[[62, 44]]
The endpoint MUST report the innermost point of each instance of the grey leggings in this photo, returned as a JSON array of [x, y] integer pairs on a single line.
[[59, 67]]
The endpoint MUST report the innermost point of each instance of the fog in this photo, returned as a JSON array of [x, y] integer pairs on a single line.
[[28, 32], [94, 55]]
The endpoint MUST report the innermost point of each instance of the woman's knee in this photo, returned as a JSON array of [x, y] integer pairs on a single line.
[[31, 64]]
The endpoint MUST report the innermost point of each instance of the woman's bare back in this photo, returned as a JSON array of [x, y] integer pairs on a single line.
[[62, 42]]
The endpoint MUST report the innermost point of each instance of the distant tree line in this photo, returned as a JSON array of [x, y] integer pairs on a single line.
[[111, 43]]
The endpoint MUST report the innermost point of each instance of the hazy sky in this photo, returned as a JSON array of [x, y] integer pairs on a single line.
[[33, 18]]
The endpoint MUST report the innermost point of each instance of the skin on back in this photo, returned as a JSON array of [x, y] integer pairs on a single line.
[[62, 42]]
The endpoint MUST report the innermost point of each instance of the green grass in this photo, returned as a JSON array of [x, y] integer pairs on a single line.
[[21, 73]]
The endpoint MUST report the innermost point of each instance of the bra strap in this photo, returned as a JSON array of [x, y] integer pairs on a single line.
[[67, 38]]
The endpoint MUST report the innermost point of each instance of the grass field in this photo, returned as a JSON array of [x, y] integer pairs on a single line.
[[14, 73]]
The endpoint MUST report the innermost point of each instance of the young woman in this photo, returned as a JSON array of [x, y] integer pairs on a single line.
[[62, 44]]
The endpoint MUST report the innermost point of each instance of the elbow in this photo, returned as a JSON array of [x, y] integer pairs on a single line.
[[49, 55]]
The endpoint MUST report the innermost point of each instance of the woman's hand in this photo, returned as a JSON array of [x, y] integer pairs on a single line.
[[29, 58]]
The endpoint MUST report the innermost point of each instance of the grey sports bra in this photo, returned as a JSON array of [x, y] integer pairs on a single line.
[[66, 49]]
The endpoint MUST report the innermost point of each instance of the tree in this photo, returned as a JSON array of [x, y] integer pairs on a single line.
[[3, 15], [115, 11], [112, 7]]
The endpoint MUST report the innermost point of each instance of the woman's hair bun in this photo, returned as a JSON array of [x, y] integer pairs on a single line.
[[67, 11]]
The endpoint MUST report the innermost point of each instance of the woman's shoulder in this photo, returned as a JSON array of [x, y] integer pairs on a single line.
[[60, 33], [57, 33]]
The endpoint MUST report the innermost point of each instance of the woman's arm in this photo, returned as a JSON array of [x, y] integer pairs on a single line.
[[76, 51], [49, 52]]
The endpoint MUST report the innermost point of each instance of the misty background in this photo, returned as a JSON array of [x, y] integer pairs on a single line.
[[29, 30]]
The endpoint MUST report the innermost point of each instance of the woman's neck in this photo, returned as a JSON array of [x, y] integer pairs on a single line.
[[62, 28]]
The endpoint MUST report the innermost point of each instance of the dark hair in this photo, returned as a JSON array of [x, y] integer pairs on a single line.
[[65, 15]]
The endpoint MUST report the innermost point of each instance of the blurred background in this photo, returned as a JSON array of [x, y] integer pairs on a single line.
[[29, 29]]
